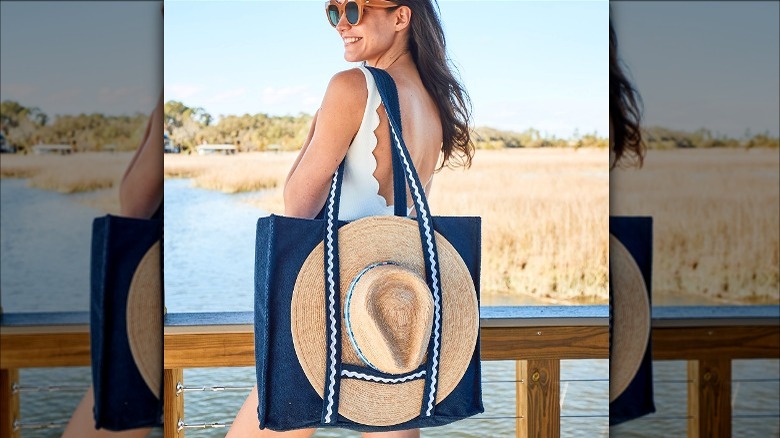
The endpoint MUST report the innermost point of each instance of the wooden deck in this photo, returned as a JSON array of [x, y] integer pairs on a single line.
[[537, 338]]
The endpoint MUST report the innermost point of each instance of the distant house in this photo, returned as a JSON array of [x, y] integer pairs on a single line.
[[61, 149], [224, 149], [169, 147], [6, 147]]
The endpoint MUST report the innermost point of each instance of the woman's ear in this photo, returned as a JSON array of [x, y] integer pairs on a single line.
[[403, 16]]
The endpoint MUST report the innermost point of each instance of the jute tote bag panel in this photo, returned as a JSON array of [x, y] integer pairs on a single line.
[[126, 313], [344, 337]]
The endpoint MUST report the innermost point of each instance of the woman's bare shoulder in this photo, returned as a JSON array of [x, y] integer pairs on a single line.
[[349, 85], [345, 97]]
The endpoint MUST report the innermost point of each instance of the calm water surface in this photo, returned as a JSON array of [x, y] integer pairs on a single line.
[[45, 240]]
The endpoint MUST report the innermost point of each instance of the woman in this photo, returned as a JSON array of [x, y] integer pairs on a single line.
[[406, 39]]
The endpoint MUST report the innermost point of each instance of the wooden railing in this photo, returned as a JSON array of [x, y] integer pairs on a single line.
[[709, 338], [538, 338]]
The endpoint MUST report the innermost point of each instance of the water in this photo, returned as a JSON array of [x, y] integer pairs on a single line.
[[45, 239], [209, 257], [209, 250]]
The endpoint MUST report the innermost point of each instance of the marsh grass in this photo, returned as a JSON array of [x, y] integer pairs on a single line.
[[94, 177], [544, 220], [77, 173], [17, 172], [233, 173], [91, 178], [715, 222]]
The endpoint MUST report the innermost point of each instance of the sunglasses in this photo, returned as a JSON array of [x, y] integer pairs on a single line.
[[353, 9]]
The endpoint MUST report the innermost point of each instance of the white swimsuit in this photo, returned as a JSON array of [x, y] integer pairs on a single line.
[[360, 190]]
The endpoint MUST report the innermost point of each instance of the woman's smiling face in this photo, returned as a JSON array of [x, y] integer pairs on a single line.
[[369, 39]]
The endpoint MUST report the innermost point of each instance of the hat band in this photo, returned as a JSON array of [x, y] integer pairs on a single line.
[[347, 302]]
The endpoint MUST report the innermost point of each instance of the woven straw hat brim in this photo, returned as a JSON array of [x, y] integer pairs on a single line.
[[144, 319], [630, 318], [363, 242]]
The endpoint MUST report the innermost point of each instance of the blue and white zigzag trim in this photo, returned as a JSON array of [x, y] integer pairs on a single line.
[[331, 299], [361, 376], [434, 269]]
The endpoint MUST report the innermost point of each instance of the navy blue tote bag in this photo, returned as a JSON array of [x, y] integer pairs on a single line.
[[636, 234], [287, 399], [126, 322]]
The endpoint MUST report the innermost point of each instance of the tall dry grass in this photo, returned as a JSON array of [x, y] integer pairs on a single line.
[[231, 173], [544, 213], [95, 177], [715, 220], [77, 173], [544, 220]]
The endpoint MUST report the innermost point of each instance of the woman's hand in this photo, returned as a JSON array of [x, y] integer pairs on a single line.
[[333, 129]]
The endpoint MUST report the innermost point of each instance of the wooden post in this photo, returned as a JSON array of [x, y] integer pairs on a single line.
[[709, 398], [9, 403], [538, 398], [173, 403]]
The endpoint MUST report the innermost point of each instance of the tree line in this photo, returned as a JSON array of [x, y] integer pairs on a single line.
[[25, 127], [656, 137], [189, 127]]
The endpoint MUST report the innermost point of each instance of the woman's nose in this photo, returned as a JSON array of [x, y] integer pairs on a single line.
[[343, 24]]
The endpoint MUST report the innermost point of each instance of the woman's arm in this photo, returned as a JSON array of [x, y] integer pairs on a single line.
[[303, 148], [141, 190], [338, 121]]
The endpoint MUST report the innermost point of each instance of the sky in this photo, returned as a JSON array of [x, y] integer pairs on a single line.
[[537, 64], [525, 65], [712, 65], [70, 57]]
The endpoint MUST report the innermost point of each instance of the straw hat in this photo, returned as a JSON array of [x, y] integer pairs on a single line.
[[387, 311], [630, 318], [144, 319]]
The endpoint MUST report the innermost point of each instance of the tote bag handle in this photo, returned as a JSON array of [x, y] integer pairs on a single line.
[[403, 173]]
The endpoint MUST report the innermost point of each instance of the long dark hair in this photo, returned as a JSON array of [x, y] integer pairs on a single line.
[[428, 49], [624, 110]]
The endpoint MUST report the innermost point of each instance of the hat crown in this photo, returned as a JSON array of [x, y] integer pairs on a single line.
[[389, 318]]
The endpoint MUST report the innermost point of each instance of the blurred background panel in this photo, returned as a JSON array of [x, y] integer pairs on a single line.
[[78, 81], [707, 74]]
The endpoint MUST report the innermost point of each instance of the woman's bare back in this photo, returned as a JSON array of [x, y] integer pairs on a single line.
[[422, 132]]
